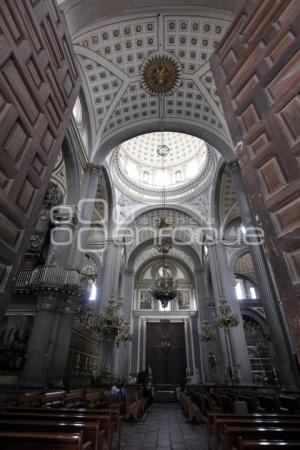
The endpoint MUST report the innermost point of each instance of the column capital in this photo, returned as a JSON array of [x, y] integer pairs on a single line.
[[65, 215], [129, 272], [233, 167], [94, 168]]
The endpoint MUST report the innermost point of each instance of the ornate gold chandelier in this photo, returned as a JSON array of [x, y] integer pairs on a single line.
[[165, 288], [109, 323], [225, 319], [124, 335], [165, 245]]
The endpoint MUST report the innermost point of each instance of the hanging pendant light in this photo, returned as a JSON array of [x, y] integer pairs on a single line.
[[165, 288]]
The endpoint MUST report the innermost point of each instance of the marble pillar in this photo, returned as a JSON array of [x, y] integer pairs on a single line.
[[125, 348], [201, 307], [48, 347], [111, 272], [280, 337], [110, 288], [235, 352], [84, 214]]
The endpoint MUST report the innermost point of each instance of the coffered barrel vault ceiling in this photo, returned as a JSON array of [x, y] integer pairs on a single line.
[[111, 56]]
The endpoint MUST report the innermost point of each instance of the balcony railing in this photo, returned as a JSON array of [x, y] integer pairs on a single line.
[[51, 276]]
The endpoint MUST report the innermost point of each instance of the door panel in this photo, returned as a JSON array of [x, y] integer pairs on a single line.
[[39, 83], [165, 352], [257, 72]]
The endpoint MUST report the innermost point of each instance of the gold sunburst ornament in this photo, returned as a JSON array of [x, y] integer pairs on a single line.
[[161, 74]]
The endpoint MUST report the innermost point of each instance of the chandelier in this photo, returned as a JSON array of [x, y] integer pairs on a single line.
[[165, 245], [109, 323], [225, 319], [164, 288], [207, 335], [124, 335]]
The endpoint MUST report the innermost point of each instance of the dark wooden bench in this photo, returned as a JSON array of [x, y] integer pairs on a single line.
[[104, 415], [103, 420], [220, 424], [31, 399], [269, 403], [91, 430], [54, 399], [230, 438], [270, 445], [17, 440], [212, 417], [95, 399], [79, 412], [132, 406], [75, 399]]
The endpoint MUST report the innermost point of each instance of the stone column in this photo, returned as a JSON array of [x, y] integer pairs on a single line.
[[125, 349], [61, 344], [84, 216], [206, 308], [111, 272], [48, 346], [109, 288], [200, 304], [235, 351], [62, 236], [280, 337], [135, 345]]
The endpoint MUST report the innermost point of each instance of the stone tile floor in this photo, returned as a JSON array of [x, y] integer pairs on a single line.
[[164, 428]]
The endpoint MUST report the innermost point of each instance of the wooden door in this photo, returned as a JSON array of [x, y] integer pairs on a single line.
[[39, 83], [165, 351], [257, 73]]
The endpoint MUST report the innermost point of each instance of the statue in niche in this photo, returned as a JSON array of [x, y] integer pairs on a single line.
[[212, 363]]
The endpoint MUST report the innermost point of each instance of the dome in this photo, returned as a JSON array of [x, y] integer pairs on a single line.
[[152, 162]]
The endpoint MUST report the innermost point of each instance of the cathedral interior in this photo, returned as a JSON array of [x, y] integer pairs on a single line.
[[149, 224]]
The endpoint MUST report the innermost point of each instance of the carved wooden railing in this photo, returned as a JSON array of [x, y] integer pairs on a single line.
[[52, 277]]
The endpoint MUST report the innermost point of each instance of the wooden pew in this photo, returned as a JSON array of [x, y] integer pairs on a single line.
[[75, 399], [112, 400], [31, 399], [91, 430], [212, 417], [132, 406], [104, 421], [8, 400], [205, 403], [269, 403], [270, 445], [230, 439], [291, 402], [220, 424], [54, 399], [17, 440], [95, 399], [113, 413]]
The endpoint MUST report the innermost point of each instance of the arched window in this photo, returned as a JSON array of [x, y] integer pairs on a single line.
[[80, 121], [168, 307], [178, 176], [77, 111], [146, 176], [239, 290], [245, 289], [93, 294]]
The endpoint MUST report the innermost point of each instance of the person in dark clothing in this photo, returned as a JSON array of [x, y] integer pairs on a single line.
[[123, 392]]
